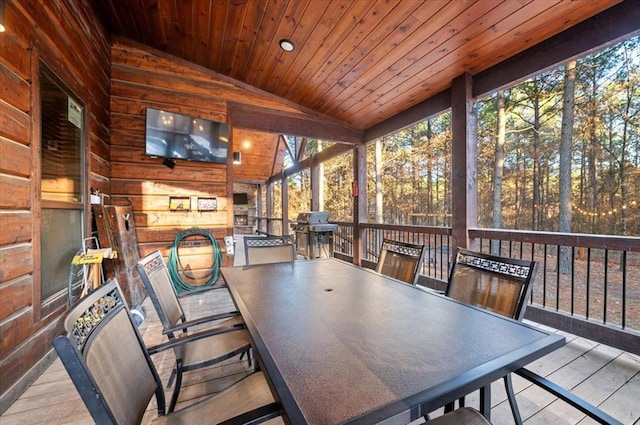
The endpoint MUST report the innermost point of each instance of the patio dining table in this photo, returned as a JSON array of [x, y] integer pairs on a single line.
[[344, 345]]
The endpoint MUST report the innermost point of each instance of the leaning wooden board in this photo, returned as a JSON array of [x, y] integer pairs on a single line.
[[116, 230]]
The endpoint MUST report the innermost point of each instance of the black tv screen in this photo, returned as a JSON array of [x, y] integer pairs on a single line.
[[177, 136], [240, 198]]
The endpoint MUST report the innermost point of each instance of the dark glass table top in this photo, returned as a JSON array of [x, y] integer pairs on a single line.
[[342, 344]]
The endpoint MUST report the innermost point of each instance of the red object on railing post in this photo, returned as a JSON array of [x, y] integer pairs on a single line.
[[354, 188]]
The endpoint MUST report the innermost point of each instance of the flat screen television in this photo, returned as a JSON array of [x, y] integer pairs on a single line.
[[177, 136], [240, 199]]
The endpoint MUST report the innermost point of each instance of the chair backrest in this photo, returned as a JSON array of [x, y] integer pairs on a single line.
[[499, 284], [156, 279], [400, 260], [269, 249], [106, 359]]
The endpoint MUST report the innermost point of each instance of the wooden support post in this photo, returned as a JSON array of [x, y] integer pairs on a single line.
[[464, 188], [359, 194]]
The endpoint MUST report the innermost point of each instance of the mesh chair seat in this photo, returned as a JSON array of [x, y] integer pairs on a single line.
[[249, 393], [204, 352]]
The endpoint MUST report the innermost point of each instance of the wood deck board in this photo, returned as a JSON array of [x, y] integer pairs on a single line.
[[603, 375]]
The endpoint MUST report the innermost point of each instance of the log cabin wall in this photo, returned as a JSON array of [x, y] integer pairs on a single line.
[[68, 39], [143, 77]]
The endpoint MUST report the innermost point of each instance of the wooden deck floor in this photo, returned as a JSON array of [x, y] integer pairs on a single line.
[[606, 377]]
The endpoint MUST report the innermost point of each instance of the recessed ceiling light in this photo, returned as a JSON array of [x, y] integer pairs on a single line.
[[286, 45]]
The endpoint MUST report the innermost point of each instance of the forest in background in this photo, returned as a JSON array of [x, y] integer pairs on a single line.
[[557, 152]]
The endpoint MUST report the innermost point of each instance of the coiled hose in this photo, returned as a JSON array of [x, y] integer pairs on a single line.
[[176, 270]]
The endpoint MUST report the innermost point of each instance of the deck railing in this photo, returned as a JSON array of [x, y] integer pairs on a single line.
[[594, 292]]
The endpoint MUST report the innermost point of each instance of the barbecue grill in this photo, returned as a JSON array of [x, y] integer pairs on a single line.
[[314, 234]]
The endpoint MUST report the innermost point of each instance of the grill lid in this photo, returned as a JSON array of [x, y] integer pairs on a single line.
[[313, 217]]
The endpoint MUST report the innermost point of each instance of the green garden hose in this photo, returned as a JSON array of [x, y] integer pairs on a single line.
[[176, 270]]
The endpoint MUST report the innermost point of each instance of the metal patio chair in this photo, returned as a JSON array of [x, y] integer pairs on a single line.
[[498, 284], [400, 260], [269, 249], [112, 370], [503, 286], [226, 333]]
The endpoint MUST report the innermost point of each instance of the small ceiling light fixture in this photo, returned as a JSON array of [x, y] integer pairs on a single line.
[[237, 158], [287, 45], [2, 27]]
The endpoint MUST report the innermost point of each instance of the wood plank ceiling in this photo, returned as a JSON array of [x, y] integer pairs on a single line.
[[359, 61]]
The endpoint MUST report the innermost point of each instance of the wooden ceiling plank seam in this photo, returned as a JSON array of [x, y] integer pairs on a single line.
[[220, 11], [170, 22], [233, 31], [307, 54], [157, 24], [202, 30], [407, 67], [370, 70], [587, 36], [321, 57], [304, 31], [287, 26], [265, 40], [250, 30], [424, 75], [528, 32], [383, 34], [422, 70], [535, 58], [185, 28], [348, 47], [406, 53]]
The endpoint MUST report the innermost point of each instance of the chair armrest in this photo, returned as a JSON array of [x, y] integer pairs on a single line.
[[176, 342], [584, 406], [202, 320], [255, 416]]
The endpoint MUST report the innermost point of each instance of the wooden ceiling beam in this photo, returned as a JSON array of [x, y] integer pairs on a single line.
[[272, 121]]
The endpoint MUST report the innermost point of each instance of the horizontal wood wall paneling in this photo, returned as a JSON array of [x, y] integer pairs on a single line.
[[161, 202], [14, 193], [15, 158], [183, 171], [14, 124], [122, 187], [15, 295], [168, 234], [17, 227], [180, 218], [69, 39], [20, 360], [175, 93], [14, 90], [15, 261]]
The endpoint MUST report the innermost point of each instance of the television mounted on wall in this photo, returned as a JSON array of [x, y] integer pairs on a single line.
[[178, 136], [240, 199]]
